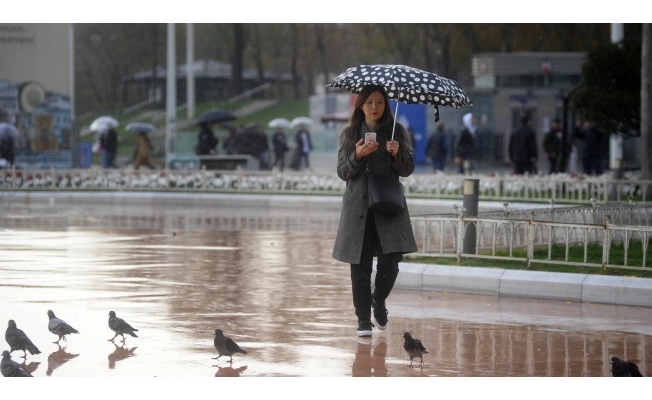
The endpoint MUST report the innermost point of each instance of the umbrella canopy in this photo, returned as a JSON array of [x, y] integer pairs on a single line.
[[9, 129], [103, 123], [281, 123], [215, 116], [408, 85], [140, 127], [301, 121]]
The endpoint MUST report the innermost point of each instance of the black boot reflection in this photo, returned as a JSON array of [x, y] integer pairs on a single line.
[[370, 358], [120, 353], [362, 362], [378, 357], [58, 358], [229, 371]]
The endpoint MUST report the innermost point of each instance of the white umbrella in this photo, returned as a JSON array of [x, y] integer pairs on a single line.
[[279, 123], [103, 123], [6, 128], [301, 121]]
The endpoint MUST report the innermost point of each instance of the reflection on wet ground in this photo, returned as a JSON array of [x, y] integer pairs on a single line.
[[267, 279]]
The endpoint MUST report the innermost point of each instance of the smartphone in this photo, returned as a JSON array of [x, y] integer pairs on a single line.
[[370, 137]]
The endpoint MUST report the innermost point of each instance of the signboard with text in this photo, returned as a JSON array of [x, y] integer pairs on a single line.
[[36, 84]]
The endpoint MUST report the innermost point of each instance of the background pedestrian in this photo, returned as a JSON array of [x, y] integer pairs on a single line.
[[523, 147], [465, 149], [437, 148]]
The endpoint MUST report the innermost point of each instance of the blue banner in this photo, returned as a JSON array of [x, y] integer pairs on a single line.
[[413, 117]]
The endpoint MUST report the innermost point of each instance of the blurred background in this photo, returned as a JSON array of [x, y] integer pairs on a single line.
[[56, 79]]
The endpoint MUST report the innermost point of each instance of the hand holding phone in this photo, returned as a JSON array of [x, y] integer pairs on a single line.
[[370, 137]]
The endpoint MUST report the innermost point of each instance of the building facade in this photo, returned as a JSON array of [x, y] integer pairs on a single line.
[[506, 84]]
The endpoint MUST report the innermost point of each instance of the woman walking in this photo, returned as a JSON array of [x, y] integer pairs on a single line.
[[363, 233]]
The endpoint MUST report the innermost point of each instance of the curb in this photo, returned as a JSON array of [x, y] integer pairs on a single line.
[[613, 290]]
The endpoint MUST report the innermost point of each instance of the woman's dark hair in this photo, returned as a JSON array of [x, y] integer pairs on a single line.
[[347, 138], [357, 116]]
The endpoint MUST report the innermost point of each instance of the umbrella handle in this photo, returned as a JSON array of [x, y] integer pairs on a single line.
[[394, 127]]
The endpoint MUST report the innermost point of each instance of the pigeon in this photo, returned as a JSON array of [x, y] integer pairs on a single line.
[[414, 347], [59, 327], [120, 327], [11, 368], [624, 368], [18, 340], [225, 346]]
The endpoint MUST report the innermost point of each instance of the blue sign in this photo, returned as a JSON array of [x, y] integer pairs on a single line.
[[413, 117], [58, 159], [85, 155]]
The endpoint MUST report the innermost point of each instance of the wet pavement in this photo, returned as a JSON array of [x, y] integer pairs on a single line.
[[267, 279]]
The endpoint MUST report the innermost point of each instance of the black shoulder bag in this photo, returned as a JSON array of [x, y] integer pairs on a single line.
[[385, 194]]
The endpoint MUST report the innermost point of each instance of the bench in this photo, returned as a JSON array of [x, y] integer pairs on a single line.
[[228, 162]]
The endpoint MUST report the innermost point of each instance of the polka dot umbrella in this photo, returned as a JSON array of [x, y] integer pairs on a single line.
[[405, 84]]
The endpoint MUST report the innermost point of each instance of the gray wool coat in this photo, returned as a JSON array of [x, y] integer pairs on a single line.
[[395, 232]]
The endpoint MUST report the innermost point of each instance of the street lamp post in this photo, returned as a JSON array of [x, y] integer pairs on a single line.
[[171, 95]]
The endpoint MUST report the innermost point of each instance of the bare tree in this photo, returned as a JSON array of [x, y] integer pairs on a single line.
[[106, 53], [294, 65], [237, 58]]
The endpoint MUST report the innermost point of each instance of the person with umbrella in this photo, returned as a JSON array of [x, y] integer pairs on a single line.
[[109, 144], [364, 233], [279, 141], [9, 136], [144, 148], [207, 141], [106, 126], [303, 143]]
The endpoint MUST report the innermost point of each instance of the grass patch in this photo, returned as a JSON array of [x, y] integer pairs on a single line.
[[558, 252], [288, 109]]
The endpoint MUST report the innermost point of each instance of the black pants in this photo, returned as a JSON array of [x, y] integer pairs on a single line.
[[386, 272]]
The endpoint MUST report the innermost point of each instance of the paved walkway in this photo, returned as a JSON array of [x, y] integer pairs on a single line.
[[629, 291]]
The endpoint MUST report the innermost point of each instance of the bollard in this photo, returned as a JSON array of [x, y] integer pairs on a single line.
[[466, 167], [617, 165], [470, 204]]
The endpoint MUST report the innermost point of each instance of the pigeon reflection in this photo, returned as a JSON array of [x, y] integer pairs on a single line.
[[31, 367], [58, 358], [370, 360], [229, 371], [119, 354]]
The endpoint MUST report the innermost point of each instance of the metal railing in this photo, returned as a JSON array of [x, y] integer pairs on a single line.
[[498, 238], [250, 92]]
